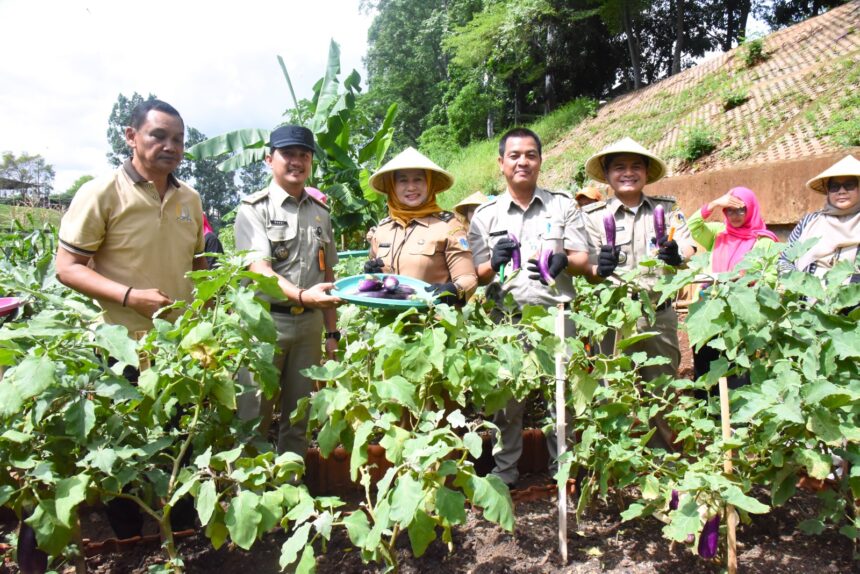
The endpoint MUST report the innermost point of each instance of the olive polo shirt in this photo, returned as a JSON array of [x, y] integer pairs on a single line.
[[134, 237]]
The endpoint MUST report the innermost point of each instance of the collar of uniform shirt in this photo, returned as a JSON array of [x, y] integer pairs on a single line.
[[615, 204], [539, 195]]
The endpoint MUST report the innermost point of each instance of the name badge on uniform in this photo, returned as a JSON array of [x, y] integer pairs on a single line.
[[381, 245], [280, 252], [277, 222], [498, 233]]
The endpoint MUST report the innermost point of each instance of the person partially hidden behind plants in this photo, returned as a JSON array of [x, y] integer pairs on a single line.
[[742, 230], [128, 239], [836, 225]]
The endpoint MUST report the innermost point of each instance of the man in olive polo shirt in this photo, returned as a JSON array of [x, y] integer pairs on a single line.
[[290, 233], [129, 238]]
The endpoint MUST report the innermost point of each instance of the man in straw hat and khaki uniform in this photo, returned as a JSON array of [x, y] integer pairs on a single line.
[[626, 166], [531, 219], [419, 239], [290, 233], [836, 225]]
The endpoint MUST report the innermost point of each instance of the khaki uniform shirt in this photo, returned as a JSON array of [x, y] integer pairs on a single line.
[[295, 234], [432, 248], [634, 232], [134, 237], [551, 220]]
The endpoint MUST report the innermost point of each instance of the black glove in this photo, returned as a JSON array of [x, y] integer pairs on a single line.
[[502, 253], [607, 260], [374, 265], [668, 252], [855, 278], [445, 292], [557, 264]]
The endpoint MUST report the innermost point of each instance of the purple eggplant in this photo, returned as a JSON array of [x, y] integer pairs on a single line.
[[660, 224], [673, 500], [516, 258], [709, 539], [369, 283], [31, 560], [397, 294], [390, 283], [543, 266], [609, 228]]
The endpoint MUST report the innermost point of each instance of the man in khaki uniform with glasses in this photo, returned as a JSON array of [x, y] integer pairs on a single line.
[[290, 233]]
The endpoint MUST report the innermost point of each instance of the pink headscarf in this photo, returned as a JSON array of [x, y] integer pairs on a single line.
[[206, 227], [732, 244], [312, 191]]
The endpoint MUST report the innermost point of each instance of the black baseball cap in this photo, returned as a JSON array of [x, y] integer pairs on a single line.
[[290, 135]]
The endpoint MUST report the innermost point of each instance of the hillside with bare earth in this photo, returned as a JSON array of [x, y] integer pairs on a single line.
[[769, 114]]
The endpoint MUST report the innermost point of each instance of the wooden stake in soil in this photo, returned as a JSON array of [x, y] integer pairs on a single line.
[[731, 515], [561, 431]]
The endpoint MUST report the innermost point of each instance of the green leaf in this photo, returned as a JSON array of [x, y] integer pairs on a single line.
[[630, 341], [811, 526], [357, 527], [80, 418], [451, 505], [290, 548], [359, 448], [734, 496], [200, 333], [408, 494], [635, 510], [474, 444], [29, 379], [784, 486], [242, 519], [70, 492], [51, 535], [206, 500], [684, 521], [103, 459], [817, 463], [397, 389], [115, 340], [148, 383], [422, 532], [491, 494], [825, 426], [307, 564]]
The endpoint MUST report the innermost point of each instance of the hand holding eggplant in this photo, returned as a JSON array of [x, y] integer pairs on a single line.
[[547, 267], [374, 265], [444, 292], [503, 252], [669, 252], [607, 260]]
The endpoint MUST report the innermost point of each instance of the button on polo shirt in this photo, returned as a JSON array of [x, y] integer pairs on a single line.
[[134, 237]]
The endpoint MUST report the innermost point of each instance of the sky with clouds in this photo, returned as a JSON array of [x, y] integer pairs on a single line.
[[66, 61]]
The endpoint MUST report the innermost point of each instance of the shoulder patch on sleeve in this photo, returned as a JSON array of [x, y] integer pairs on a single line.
[[385, 220], [560, 192], [486, 204], [319, 202], [256, 197], [445, 216], [591, 207]]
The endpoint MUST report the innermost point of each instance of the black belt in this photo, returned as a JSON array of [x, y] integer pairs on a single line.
[[288, 309]]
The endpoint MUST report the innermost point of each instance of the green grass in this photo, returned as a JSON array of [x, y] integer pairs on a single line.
[[40, 216]]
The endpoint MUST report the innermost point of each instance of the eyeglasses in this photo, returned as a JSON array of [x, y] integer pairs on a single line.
[[848, 185], [732, 211]]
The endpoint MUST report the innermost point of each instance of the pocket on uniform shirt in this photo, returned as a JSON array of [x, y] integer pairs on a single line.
[[278, 233], [427, 248]]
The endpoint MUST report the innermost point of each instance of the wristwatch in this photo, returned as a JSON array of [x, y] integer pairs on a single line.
[[332, 335]]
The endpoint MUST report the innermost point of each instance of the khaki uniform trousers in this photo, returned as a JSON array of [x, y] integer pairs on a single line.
[[299, 347], [510, 423]]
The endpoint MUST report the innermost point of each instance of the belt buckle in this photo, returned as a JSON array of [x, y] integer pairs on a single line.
[[296, 310]]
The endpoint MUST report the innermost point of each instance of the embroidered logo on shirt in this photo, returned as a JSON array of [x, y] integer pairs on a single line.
[[183, 214], [463, 243]]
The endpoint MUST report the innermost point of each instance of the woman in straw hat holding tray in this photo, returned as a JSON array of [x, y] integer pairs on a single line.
[[836, 226], [418, 239]]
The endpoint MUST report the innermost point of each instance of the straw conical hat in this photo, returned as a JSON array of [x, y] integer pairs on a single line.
[[476, 198], [591, 192], [594, 165], [848, 165], [411, 158]]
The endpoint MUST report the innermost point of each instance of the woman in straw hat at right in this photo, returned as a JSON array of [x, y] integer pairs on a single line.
[[837, 225], [418, 239]]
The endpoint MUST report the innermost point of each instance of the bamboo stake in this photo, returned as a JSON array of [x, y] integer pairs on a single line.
[[561, 430], [731, 515]]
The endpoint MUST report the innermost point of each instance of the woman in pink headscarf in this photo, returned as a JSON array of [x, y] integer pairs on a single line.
[[742, 230], [211, 242]]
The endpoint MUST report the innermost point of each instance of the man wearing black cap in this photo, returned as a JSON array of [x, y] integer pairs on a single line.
[[290, 233]]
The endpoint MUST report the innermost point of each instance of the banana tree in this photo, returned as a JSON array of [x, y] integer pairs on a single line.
[[343, 165]]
